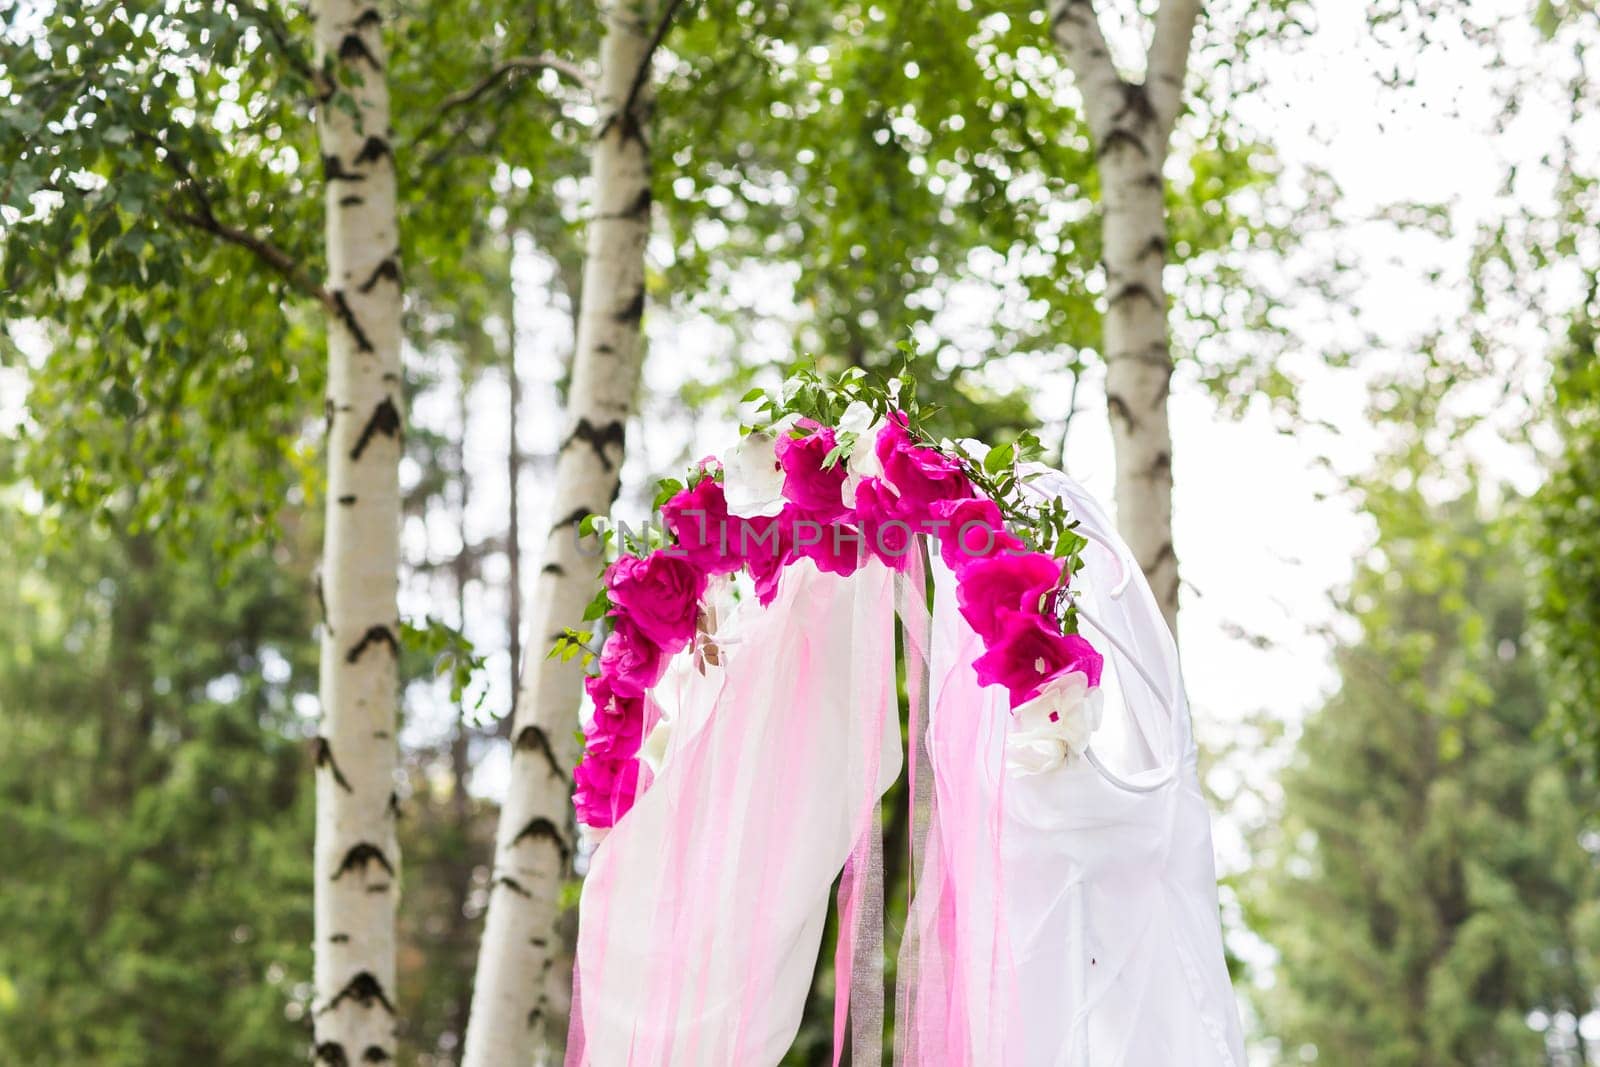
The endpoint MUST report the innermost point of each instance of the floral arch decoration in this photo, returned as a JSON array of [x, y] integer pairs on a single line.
[[840, 473]]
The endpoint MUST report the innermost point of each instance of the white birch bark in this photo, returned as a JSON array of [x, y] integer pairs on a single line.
[[1131, 123], [357, 857], [521, 989]]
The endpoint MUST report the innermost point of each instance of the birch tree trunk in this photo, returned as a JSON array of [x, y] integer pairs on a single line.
[[357, 857], [1131, 123], [519, 990]]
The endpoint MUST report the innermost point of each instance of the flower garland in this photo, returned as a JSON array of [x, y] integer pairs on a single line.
[[860, 485]]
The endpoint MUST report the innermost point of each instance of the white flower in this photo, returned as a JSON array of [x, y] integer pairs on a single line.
[[1055, 724], [653, 753], [752, 481], [856, 418], [973, 449], [863, 459]]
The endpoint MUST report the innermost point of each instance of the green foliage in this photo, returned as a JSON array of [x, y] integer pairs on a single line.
[[154, 800], [156, 216], [451, 655], [1567, 543], [1429, 886]]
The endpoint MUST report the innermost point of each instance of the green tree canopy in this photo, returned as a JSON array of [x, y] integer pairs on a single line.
[[1432, 885]]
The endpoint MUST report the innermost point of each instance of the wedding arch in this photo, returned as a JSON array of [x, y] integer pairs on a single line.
[[744, 724]]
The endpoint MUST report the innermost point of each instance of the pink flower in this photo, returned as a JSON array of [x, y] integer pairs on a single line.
[[806, 483], [630, 660], [920, 475], [698, 519], [660, 593], [973, 529], [1028, 652], [605, 789], [834, 547], [886, 536], [766, 546], [988, 590], [618, 726]]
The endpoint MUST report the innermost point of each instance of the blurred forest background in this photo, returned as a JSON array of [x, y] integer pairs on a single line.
[[1382, 277]]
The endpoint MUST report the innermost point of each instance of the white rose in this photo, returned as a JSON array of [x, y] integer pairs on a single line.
[[752, 481], [1055, 724], [862, 462], [856, 418]]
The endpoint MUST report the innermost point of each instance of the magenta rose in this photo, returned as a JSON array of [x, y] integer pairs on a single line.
[[835, 547], [698, 520], [1028, 651], [973, 529], [660, 593], [604, 790], [814, 489], [988, 590], [920, 475], [765, 546], [885, 535], [618, 726], [630, 660]]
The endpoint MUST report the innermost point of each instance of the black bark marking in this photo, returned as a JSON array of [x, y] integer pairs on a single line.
[[353, 48], [553, 568], [542, 829], [578, 515], [372, 150], [374, 1054], [375, 635], [633, 310], [340, 939], [360, 855], [1135, 103], [322, 756], [385, 419], [341, 308], [394, 806], [1156, 246], [533, 739], [599, 438], [1132, 290], [351, 201], [363, 989], [511, 884], [539, 942], [347, 499], [332, 1053], [333, 171], [1121, 136], [641, 205], [606, 350], [368, 19], [1119, 410], [389, 268]]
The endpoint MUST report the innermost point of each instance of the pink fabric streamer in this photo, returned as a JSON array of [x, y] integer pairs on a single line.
[[703, 910], [954, 974]]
